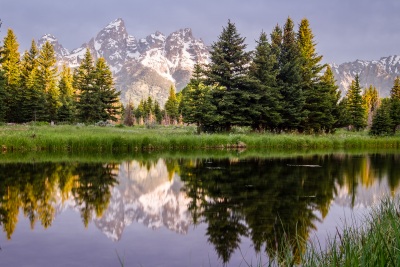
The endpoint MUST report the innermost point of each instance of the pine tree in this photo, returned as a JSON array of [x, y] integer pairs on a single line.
[[227, 71], [310, 67], [371, 103], [84, 83], [158, 112], [48, 80], [355, 105], [323, 104], [171, 106], [33, 98], [395, 104], [198, 108], [266, 100], [11, 73], [290, 80], [67, 111], [140, 112], [105, 93], [382, 123], [328, 80], [314, 93]]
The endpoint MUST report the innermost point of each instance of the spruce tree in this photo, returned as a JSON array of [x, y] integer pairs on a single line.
[[158, 112], [198, 107], [32, 99], [84, 83], [371, 102], [108, 104], [67, 110], [382, 123], [266, 101], [171, 106], [323, 104], [310, 78], [227, 71], [395, 104], [310, 60], [290, 80], [11, 73], [355, 105], [48, 80]]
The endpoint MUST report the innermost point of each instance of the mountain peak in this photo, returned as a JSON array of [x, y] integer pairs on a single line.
[[58, 49], [116, 24]]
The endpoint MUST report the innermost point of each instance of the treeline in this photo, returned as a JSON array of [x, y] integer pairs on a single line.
[[281, 86], [33, 89]]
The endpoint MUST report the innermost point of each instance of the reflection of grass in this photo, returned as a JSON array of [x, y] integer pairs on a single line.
[[377, 243], [67, 138]]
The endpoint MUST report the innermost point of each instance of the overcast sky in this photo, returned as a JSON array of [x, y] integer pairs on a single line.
[[345, 30]]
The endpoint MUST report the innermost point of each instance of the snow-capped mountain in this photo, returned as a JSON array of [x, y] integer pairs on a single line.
[[379, 73], [142, 67], [145, 196]]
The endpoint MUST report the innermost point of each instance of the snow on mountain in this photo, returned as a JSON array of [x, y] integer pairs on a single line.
[[146, 196], [379, 73], [59, 50], [142, 67]]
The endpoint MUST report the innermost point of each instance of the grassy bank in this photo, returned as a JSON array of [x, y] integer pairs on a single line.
[[373, 241], [67, 138], [377, 243]]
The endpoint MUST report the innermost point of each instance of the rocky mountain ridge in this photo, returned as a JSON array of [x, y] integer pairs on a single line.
[[142, 67], [379, 73]]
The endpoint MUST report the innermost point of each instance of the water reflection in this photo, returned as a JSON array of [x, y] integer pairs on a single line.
[[266, 200]]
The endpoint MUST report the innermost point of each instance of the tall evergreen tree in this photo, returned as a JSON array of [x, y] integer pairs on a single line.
[[227, 71], [371, 101], [310, 67], [11, 73], [310, 76], [84, 83], [355, 105], [67, 110], [290, 80], [198, 107], [382, 123], [33, 98], [322, 106], [108, 106], [395, 103], [266, 102], [48, 80]]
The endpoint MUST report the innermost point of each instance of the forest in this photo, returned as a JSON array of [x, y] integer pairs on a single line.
[[280, 87]]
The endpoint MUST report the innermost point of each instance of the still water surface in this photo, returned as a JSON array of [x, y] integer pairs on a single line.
[[181, 212]]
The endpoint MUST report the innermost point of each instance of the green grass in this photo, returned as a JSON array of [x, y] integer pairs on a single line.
[[67, 138], [377, 243]]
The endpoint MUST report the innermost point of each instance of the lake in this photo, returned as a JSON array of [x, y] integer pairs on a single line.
[[183, 211]]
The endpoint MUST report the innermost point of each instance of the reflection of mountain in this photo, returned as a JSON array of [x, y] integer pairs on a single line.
[[145, 195], [362, 196]]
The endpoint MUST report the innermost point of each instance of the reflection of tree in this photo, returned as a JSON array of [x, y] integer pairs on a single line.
[[93, 190], [266, 200], [34, 189]]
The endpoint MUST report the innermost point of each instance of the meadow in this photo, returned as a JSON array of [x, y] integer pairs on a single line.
[[81, 138], [120, 139]]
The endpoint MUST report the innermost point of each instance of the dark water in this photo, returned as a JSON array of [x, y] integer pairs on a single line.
[[182, 212]]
